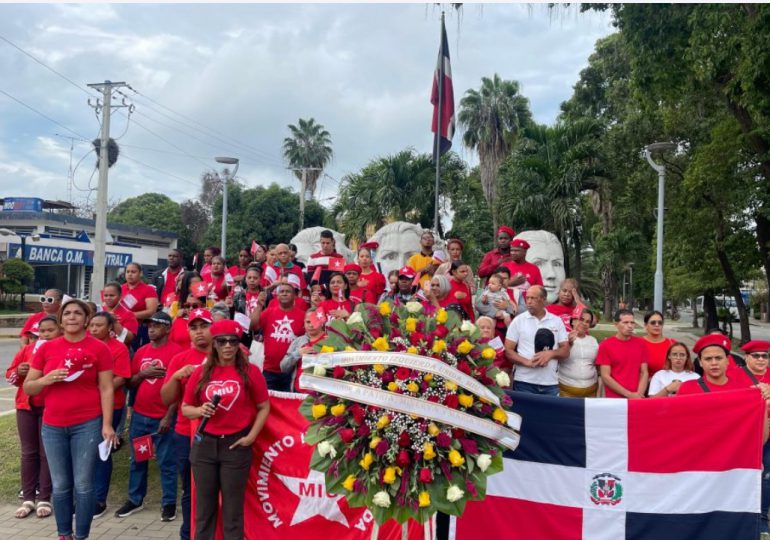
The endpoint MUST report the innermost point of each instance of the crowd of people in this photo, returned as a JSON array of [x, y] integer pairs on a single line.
[[202, 347]]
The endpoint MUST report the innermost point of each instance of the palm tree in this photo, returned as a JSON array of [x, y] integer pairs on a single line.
[[492, 118], [309, 147]]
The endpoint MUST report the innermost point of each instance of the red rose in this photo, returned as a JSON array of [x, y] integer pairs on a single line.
[[375, 332], [403, 458], [441, 331], [451, 401], [471, 488], [464, 367], [364, 430], [346, 435], [366, 346], [387, 376], [403, 373], [443, 440], [433, 399], [458, 433], [338, 372], [426, 476], [358, 413], [469, 446], [394, 333], [420, 326], [382, 447], [424, 386], [416, 338], [403, 440]]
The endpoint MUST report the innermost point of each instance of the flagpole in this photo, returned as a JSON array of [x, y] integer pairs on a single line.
[[437, 138]]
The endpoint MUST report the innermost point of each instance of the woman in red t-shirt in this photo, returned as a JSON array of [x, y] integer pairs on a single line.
[[357, 291], [140, 298], [338, 304], [566, 303], [124, 317], [238, 271], [218, 279], [75, 371], [369, 277], [221, 454], [459, 291], [657, 344], [29, 422]]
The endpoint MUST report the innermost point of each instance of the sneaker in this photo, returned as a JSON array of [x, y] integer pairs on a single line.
[[101, 509], [168, 513], [128, 508]]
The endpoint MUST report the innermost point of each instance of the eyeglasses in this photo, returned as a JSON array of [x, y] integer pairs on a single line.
[[678, 355], [762, 355], [192, 306], [655, 323], [47, 299], [232, 341]]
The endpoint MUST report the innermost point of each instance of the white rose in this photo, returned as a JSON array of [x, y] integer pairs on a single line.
[[503, 379], [484, 461], [454, 493], [382, 499], [413, 307], [319, 371], [467, 327], [355, 318], [325, 448]]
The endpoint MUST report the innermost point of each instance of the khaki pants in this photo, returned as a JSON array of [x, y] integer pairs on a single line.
[[571, 391]]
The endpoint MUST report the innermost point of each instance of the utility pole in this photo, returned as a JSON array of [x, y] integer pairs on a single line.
[[100, 236]]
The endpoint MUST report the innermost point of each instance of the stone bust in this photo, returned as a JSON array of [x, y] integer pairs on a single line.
[[546, 253], [398, 241]]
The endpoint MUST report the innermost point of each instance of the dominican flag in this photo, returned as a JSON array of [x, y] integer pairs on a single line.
[[443, 100], [679, 468]]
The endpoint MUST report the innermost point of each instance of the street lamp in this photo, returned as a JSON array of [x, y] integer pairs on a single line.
[[35, 238], [661, 170], [226, 161]]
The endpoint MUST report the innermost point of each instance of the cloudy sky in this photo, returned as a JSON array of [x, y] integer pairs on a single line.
[[227, 80]]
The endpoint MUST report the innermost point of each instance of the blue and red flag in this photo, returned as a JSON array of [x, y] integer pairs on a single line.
[[443, 100]]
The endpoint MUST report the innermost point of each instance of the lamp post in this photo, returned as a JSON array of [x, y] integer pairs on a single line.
[[23, 237], [226, 161], [661, 170]]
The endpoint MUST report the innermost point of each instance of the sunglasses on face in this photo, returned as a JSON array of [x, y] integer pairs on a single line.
[[655, 323], [762, 355], [47, 299], [232, 341], [191, 306]]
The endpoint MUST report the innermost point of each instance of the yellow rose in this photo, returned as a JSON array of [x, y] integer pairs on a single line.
[[427, 377], [392, 386], [464, 399], [327, 349], [433, 429], [383, 421], [390, 475], [349, 481], [441, 316], [338, 410], [488, 354], [449, 385], [412, 387], [319, 411], [411, 324], [455, 458], [366, 461], [380, 344], [424, 499], [412, 350], [465, 347], [439, 345], [428, 452], [350, 349], [379, 368], [374, 442], [384, 309], [500, 415]]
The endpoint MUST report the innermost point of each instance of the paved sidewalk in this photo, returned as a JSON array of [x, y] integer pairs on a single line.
[[145, 525]]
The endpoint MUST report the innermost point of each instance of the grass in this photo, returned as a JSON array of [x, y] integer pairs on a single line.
[[10, 482]]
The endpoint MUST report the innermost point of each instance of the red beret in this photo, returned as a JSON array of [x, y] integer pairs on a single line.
[[352, 267], [226, 328], [507, 230], [519, 243], [369, 245], [200, 313], [710, 340], [407, 271], [756, 345]]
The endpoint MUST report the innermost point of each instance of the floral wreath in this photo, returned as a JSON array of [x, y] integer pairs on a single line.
[[408, 413]]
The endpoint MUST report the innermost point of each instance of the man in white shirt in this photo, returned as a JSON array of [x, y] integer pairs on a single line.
[[536, 372]]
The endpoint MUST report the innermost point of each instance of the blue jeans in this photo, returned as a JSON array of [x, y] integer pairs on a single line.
[[280, 382], [103, 473], [541, 389], [765, 488], [165, 455], [72, 454], [182, 448]]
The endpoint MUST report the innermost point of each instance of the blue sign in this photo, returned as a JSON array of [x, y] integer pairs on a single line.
[[22, 204], [78, 257]]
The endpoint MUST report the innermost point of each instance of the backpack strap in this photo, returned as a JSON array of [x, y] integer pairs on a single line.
[[748, 372], [703, 385]]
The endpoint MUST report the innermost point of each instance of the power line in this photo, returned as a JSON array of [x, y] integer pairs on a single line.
[[34, 110], [185, 152], [123, 155]]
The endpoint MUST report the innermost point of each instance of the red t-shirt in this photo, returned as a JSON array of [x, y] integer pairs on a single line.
[[180, 333], [626, 359], [491, 261], [332, 304], [279, 329], [121, 368], [218, 285], [374, 282], [693, 387], [563, 312], [205, 270], [140, 293], [126, 318], [275, 272], [529, 270], [466, 302], [189, 357], [656, 355], [148, 401], [31, 321], [362, 295], [68, 403], [169, 283], [23, 401], [238, 406]]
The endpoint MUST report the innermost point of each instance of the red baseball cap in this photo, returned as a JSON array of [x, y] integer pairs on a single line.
[[407, 271], [712, 340], [226, 327], [200, 313]]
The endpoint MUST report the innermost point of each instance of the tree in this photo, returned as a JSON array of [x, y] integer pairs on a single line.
[[309, 147], [471, 218], [492, 118], [15, 276]]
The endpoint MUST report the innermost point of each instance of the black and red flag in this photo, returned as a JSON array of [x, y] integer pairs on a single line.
[[443, 100]]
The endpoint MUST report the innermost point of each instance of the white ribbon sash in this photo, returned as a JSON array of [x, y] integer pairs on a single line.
[[412, 405]]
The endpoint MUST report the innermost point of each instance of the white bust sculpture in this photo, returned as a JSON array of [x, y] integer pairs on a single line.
[[398, 241], [308, 241], [546, 253]]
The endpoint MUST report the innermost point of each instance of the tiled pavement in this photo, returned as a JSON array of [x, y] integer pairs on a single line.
[[144, 525]]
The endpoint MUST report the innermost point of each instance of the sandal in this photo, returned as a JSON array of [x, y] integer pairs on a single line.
[[26, 508], [43, 509]]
